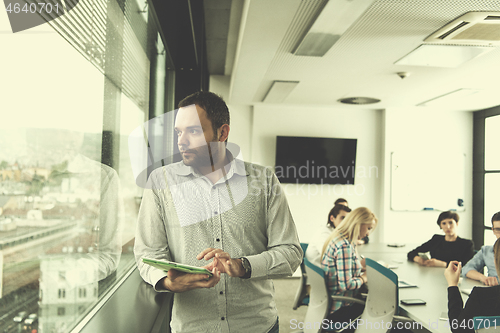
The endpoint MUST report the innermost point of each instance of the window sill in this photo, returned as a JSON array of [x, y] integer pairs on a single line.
[[133, 307]]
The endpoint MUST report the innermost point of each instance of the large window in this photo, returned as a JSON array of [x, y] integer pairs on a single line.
[[491, 173], [486, 180], [68, 197]]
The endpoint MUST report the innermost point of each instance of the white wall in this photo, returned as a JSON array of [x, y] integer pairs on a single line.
[[426, 132], [310, 204], [379, 133], [241, 116]]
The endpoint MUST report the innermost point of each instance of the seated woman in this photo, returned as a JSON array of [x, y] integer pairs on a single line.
[[444, 249], [342, 201], [483, 301], [342, 265], [315, 248]]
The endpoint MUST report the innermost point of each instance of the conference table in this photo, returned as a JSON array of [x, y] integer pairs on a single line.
[[431, 286]]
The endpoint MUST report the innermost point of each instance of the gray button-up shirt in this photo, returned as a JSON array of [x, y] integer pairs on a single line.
[[245, 214]]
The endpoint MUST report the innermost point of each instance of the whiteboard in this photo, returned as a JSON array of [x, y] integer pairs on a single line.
[[427, 181]]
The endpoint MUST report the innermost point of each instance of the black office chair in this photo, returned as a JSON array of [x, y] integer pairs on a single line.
[[302, 295]]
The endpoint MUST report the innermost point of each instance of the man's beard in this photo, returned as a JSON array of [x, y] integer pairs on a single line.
[[203, 156]]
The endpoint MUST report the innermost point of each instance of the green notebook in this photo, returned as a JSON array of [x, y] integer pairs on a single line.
[[166, 265]]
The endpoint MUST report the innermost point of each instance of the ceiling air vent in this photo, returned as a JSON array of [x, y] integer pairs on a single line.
[[359, 100], [473, 28]]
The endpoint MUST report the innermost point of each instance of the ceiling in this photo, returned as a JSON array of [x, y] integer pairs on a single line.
[[251, 42]]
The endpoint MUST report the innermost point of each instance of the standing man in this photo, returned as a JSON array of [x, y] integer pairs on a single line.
[[216, 211], [485, 257]]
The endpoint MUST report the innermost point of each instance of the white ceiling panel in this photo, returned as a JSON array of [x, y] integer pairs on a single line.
[[362, 62], [263, 26]]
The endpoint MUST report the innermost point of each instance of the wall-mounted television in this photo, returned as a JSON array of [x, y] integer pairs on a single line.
[[308, 160]]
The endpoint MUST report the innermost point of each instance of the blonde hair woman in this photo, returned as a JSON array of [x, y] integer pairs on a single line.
[[342, 265]]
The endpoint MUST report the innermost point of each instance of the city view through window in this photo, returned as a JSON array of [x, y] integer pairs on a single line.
[[67, 215]]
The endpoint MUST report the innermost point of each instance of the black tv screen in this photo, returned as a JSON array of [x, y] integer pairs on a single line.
[[306, 160]]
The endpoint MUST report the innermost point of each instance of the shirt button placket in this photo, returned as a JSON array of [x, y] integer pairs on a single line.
[[216, 217], [217, 232]]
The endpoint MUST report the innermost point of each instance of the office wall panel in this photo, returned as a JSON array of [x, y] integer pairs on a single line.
[[427, 133]]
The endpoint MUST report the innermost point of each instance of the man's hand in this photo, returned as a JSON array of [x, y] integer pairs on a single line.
[[179, 282], [452, 273], [490, 281], [222, 261]]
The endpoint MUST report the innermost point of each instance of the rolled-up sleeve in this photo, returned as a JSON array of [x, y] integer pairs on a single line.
[[476, 263], [151, 240], [284, 254]]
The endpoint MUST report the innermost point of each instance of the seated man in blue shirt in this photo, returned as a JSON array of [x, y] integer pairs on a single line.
[[484, 257]]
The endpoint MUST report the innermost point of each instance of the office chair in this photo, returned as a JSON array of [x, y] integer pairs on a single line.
[[302, 295], [319, 300], [382, 303], [487, 324]]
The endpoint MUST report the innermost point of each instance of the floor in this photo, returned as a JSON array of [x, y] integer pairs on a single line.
[[285, 294]]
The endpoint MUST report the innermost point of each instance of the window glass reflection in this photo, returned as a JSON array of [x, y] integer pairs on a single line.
[[491, 186], [67, 220], [492, 138]]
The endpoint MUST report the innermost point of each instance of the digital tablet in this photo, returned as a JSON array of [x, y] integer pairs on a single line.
[[413, 302], [390, 266], [396, 245], [405, 284], [166, 265]]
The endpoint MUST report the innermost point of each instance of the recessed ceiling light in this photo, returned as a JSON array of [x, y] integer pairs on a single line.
[[279, 91]]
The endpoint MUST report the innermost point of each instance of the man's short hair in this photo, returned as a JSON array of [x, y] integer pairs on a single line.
[[213, 104], [495, 218], [336, 210], [447, 215]]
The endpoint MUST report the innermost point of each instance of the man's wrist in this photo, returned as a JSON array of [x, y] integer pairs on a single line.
[[162, 284], [247, 268]]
